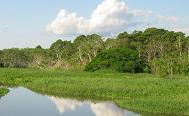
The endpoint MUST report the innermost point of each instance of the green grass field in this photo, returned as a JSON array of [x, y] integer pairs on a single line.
[[137, 92]]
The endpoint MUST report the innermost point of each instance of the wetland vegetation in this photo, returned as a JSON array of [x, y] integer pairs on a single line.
[[138, 92], [3, 91]]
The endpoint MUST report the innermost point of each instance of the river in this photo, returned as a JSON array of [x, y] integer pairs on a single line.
[[23, 102]]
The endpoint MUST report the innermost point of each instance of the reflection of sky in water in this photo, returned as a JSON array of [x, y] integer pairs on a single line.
[[22, 102], [98, 109]]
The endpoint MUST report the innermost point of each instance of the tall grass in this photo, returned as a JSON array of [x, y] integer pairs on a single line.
[[3, 91], [138, 92]]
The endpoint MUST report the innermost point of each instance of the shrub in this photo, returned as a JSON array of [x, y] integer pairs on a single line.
[[120, 60]]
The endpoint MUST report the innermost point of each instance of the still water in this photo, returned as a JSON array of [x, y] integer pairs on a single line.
[[23, 102]]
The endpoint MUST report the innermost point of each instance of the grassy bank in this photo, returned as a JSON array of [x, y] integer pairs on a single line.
[[138, 92], [3, 91]]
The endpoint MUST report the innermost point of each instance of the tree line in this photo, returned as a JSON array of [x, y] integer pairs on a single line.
[[164, 52]]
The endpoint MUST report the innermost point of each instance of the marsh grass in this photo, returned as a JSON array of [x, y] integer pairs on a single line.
[[138, 92], [3, 91]]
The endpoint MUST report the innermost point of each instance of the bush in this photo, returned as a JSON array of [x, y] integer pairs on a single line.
[[120, 60]]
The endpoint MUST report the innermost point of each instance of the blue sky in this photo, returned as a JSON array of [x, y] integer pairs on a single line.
[[23, 23]]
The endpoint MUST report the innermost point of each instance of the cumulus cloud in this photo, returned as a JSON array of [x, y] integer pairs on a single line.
[[109, 17]]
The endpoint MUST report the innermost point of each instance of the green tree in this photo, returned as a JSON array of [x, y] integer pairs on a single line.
[[120, 60], [14, 58]]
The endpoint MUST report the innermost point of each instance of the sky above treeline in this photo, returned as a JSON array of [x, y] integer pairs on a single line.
[[28, 23]]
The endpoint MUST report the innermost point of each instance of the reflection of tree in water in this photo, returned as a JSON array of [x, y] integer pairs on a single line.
[[99, 109]]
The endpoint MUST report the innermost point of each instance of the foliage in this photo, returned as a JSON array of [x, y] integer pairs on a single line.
[[120, 60], [3, 91], [164, 52], [14, 58]]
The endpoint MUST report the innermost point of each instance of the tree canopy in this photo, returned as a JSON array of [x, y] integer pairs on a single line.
[[118, 59], [164, 52]]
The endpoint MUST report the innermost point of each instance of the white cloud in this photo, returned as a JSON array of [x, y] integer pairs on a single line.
[[110, 16], [65, 23]]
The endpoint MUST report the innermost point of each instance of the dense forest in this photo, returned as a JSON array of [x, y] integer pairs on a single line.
[[156, 51]]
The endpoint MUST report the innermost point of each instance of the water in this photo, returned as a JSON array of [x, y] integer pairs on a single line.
[[23, 102]]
